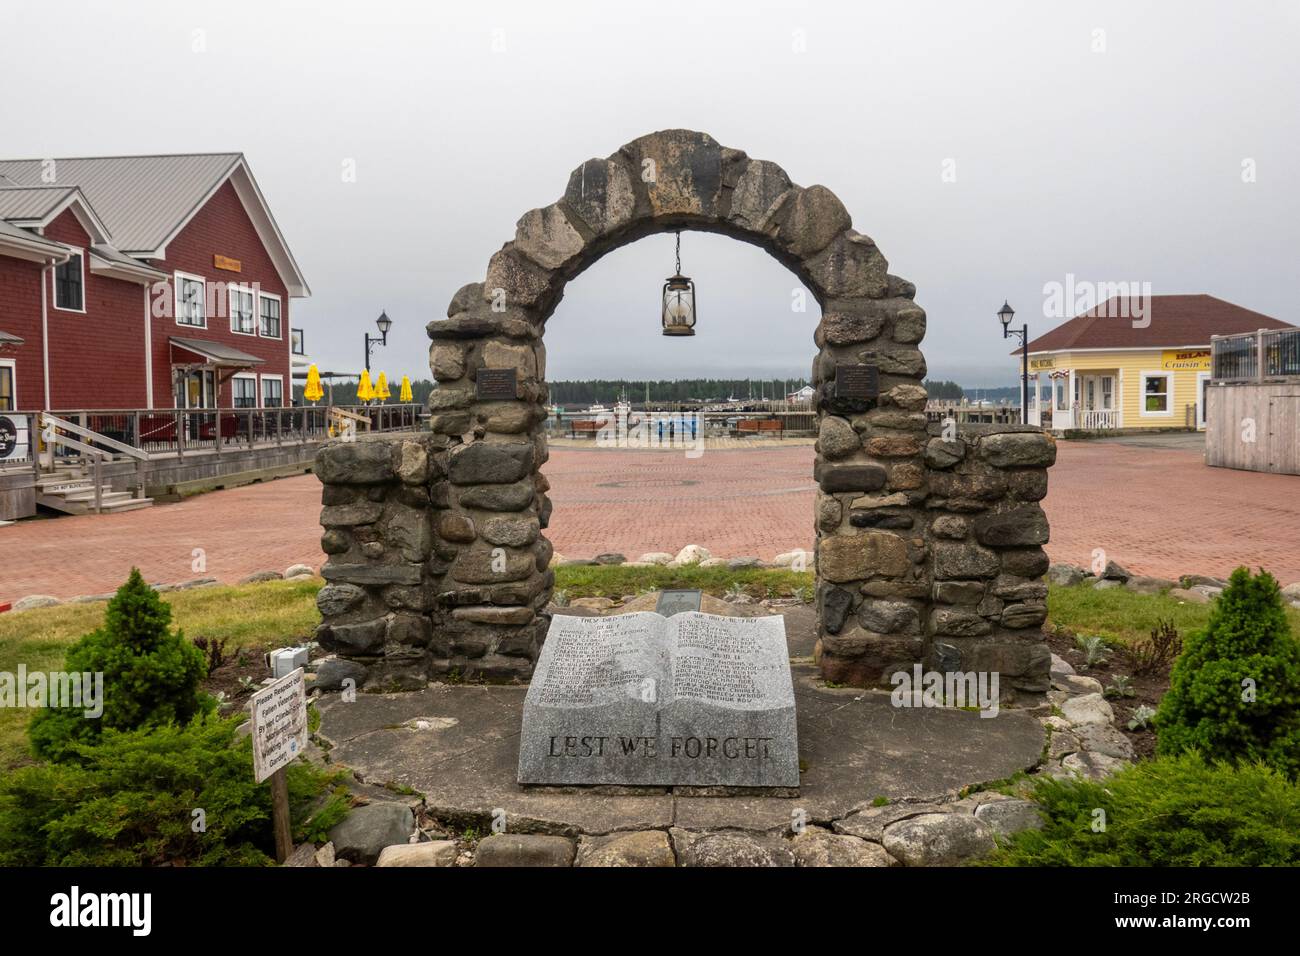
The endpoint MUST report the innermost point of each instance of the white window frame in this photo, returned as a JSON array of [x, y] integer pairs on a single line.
[[248, 290], [54, 277], [257, 389], [280, 303], [178, 280], [12, 365], [261, 396], [1169, 393]]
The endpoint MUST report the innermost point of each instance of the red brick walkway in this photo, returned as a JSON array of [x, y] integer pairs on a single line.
[[255, 528], [1156, 511]]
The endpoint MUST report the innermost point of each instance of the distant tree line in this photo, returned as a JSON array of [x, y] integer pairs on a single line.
[[1008, 393], [605, 391], [952, 392], [664, 390], [601, 390], [947, 391]]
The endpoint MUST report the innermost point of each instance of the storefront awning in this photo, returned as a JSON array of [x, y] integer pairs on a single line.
[[215, 354]]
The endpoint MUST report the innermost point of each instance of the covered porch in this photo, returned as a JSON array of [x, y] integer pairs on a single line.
[[200, 368], [1061, 399]]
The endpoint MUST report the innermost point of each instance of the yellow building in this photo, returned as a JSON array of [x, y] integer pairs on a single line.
[[1132, 363]]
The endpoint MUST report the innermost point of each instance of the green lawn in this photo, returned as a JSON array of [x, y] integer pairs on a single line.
[[283, 612], [1119, 615], [615, 580]]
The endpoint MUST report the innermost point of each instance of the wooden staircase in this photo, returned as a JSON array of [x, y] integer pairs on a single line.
[[69, 489], [73, 483]]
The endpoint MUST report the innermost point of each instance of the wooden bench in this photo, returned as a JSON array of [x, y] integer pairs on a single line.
[[580, 427], [157, 428], [760, 426]]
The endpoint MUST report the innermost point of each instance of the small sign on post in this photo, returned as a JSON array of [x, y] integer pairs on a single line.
[[279, 735]]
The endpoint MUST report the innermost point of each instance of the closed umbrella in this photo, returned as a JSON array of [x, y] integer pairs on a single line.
[[312, 390], [405, 395], [365, 391], [381, 388]]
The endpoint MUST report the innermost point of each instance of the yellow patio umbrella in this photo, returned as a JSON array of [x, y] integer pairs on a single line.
[[381, 388], [312, 390], [405, 395], [365, 392]]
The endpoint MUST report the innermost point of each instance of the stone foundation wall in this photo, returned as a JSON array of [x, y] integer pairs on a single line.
[[946, 569]]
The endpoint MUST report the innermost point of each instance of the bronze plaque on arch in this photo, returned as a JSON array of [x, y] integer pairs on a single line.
[[497, 384], [857, 381]]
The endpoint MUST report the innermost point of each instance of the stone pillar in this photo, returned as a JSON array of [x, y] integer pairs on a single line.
[[987, 534], [491, 564], [947, 566], [872, 554], [378, 536]]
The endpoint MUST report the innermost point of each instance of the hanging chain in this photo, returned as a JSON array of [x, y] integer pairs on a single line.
[[679, 253]]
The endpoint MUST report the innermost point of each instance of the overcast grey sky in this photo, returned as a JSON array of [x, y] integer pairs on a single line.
[[1103, 140]]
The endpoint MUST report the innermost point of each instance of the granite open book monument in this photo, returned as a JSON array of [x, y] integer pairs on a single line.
[[693, 699]]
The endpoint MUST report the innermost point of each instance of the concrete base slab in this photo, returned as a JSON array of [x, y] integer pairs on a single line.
[[458, 745]]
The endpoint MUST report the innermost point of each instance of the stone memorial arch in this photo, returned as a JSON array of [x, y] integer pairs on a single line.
[[928, 540]]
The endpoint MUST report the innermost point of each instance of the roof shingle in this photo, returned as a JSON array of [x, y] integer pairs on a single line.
[[1168, 321]]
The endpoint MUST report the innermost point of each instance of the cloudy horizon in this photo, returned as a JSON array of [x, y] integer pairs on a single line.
[[989, 150]]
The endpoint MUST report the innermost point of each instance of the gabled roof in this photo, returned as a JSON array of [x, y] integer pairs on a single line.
[[1167, 321], [144, 201], [31, 203], [34, 207], [140, 198], [18, 242]]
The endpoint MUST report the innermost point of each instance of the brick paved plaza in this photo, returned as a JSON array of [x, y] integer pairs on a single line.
[[1156, 510]]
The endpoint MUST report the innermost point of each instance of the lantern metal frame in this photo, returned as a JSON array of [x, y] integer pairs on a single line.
[[674, 287]]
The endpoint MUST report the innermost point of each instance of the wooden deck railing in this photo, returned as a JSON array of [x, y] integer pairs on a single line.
[[159, 432], [1256, 356]]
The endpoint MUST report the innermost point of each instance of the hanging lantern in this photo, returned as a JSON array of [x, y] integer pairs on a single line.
[[679, 300]]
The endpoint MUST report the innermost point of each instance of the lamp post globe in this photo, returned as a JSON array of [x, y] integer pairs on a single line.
[[1005, 315], [384, 323]]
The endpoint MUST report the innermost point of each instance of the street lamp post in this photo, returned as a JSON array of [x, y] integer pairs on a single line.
[[384, 323], [1005, 315]]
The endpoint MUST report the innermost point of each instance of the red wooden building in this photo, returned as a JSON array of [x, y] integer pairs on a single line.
[[142, 282]]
